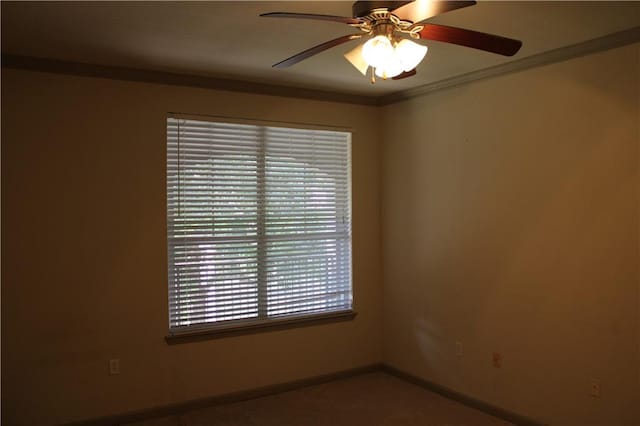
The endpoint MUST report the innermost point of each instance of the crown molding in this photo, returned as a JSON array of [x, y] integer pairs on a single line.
[[611, 41], [56, 66]]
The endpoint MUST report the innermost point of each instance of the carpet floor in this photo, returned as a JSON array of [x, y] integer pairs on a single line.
[[374, 399]]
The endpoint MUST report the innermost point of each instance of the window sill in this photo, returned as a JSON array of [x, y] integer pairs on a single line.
[[265, 326]]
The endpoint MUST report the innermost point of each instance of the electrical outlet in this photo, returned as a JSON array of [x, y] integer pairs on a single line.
[[497, 359], [594, 389], [458, 348], [114, 367]]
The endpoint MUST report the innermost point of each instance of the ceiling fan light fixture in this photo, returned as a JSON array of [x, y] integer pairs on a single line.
[[410, 53], [378, 51], [388, 58]]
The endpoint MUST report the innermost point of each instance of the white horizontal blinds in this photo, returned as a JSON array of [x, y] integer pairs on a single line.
[[307, 224], [258, 222], [212, 221]]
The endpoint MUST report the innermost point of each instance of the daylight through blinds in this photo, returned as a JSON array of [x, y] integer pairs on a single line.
[[259, 223]]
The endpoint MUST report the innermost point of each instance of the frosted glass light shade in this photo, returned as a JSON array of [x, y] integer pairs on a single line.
[[355, 58], [378, 51], [409, 54], [390, 69]]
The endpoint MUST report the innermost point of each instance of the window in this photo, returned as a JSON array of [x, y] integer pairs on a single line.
[[259, 223]]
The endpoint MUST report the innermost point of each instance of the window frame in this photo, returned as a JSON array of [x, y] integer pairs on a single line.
[[215, 329]]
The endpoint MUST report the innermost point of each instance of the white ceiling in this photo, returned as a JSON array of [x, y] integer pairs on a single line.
[[229, 40]]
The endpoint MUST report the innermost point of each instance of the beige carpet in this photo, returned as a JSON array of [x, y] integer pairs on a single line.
[[375, 399]]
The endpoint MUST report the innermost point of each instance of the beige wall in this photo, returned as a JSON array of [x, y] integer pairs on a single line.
[[510, 224], [84, 252]]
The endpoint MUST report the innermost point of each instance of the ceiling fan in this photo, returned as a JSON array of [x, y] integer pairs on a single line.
[[389, 27]]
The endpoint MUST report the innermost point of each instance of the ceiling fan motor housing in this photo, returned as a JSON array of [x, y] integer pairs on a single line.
[[363, 8]]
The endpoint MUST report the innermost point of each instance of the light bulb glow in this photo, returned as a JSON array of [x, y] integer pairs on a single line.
[[377, 51], [390, 69], [409, 54], [387, 57]]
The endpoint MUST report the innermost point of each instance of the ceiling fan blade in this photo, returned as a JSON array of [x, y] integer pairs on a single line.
[[315, 50], [332, 18], [405, 75], [420, 10], [357, 60], [474, 39]]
